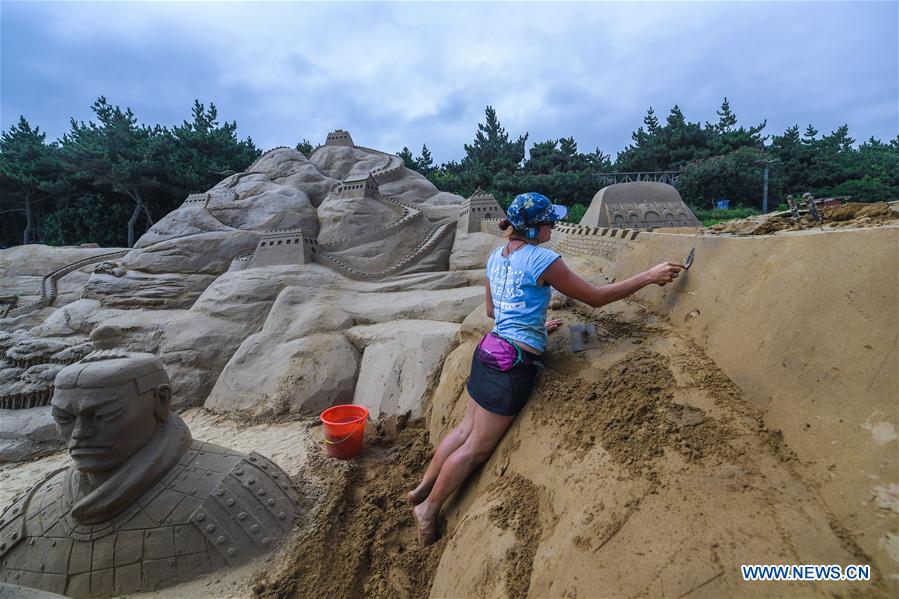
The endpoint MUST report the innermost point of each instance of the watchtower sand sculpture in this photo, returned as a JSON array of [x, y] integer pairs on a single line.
[[283, 247], [638, 205], [143, 506], [476, 208], [339, 137], [360, 187]]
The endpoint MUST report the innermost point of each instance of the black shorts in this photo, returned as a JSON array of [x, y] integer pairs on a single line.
[[503, 393]]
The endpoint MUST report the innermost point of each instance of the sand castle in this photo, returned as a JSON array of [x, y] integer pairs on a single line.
[[638, 205], [721, 421]]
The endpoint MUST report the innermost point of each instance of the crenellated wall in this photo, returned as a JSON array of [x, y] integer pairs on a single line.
[[491, 226], [586, 242]]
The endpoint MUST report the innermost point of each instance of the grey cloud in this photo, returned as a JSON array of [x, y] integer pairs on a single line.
[[400, 74]]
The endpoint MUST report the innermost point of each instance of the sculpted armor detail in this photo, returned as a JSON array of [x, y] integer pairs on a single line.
[[216, 507], [127, 516]]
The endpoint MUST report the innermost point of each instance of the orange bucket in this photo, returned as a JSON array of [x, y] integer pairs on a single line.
[[344, 428]]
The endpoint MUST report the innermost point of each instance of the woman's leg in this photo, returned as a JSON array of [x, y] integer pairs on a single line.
[[448, 445], [486, 432]]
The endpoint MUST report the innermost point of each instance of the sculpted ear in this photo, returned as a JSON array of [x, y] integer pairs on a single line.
[[163, 394]]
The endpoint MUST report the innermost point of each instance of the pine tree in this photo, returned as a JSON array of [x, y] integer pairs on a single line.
[[201, 151], [651, 121], [726, 118], [568, 154], [492, 152], [119, 156], [424, 163], [28, 170], [305, 147], [408, 159], [810, 134]]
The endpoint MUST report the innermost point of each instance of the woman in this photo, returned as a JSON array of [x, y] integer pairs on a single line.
[[504, 368]]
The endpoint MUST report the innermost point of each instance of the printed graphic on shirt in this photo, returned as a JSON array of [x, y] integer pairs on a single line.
[[505, 285]]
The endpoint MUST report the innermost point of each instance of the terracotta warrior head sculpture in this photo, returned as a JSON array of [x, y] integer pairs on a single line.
[[142, 506]]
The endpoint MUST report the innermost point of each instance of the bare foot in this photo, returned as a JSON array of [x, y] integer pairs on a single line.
[[417, 495], [427, 525]]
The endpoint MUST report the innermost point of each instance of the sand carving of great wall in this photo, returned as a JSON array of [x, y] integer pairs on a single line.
[[744, 414]]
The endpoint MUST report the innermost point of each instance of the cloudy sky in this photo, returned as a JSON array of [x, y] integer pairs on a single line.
[[404, 74]]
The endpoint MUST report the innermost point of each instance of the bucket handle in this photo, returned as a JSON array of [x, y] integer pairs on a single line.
[[327, 441]]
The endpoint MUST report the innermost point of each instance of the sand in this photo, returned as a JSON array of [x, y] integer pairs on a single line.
[[845, 216], [639, 456], [637, 469], [359, 539]]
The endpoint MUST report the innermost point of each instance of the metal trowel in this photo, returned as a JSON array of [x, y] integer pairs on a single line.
[[689, 261], [583, 336]]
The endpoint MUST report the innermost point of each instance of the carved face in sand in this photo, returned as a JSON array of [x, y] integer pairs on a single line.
[[109, 407]]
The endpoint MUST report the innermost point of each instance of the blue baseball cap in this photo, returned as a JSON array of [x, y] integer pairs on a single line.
[[532, 208]]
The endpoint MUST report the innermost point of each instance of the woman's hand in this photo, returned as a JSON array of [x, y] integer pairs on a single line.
[[552, 325], [663, 273]]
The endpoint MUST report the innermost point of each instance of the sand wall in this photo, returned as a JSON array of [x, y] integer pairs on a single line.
[[805, 324]]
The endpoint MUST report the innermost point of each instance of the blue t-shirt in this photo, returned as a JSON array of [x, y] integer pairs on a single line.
[[519, 304]]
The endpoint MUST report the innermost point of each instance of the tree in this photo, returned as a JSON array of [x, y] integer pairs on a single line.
[[570, 156], [408, 159], [575, 213], [29, 171], [726, 118], [651, 121], [492, 152], [599, 161], [305, 147], [543, 157], [88, 217], [424, 163], [794, 157], [724, 137], [664, 147], [119, 156], [733, 176], [201, 151]]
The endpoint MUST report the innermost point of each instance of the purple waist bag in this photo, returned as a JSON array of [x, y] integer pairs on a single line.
[[499, 353]]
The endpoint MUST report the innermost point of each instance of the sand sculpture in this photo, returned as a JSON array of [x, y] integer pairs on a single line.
[[740, 401], [638, 205], [476, 208], [142, 506]]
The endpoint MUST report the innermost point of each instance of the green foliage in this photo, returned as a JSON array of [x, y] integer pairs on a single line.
[[29, 177], [575, 213], [89, 218], [492, 153], [866, 189], [678, 142], [829, 165], [424, 163], [733, 176], [105, 170], [107, 178], [202, 151], [305, 147], [408, 159], [119, 156], [710, 217]]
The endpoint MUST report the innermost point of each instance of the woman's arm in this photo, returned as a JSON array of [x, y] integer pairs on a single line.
[[489, 301], [574, 286]]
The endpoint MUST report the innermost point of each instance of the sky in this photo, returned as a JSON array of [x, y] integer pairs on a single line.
[[412, 73]]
